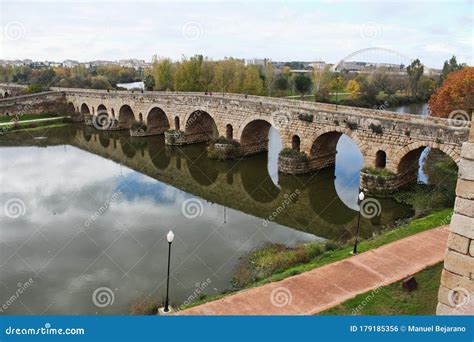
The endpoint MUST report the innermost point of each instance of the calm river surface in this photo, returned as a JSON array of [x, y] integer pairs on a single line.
[[95, 208]]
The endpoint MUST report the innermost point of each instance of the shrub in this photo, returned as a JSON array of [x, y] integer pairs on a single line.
[[331, 245], [270, 259], [224, 140], [289, 152], [377, 129], [352, 125], [306, 117], [231, 150]]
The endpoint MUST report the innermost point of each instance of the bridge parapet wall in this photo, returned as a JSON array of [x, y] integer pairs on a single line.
[[49, 102]]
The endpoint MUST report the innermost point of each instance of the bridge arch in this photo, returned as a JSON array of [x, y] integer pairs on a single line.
[[200, 127], [126, 117], [295, 142], [157, 121], [419, 147], [70, 108], [177, 125], [253, 134], [380, 159], [323, 149], [229, 132], [101, 109], [406, 162]]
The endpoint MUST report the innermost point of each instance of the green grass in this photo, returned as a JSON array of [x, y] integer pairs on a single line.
[[46, 126], [24, 117], [394, 300], [30, 127], [435, 219]]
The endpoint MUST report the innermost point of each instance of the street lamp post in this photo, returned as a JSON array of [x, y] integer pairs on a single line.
[[360, 199], [170, 238]]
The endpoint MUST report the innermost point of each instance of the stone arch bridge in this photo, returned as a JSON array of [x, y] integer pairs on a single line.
[[387, 140]]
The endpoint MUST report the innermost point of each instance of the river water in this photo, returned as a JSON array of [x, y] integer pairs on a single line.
[[95, 208], [85, 211]]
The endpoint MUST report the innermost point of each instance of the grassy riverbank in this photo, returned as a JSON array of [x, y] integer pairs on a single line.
[[25, 117], [271, 264], [394, 300], [32, 126]]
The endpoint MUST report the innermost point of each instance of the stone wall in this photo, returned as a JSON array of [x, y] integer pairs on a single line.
[[456, 292], [9, 90], [48, 102]]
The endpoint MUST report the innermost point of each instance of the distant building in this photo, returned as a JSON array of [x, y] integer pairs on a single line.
[[256, 61], [53, 64], [318, 65], [69, 63], [132, 63]]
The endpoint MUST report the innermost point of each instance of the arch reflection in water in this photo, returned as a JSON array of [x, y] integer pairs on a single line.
[[246, 185]]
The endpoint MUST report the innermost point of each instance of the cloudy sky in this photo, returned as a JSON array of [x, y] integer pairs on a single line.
[[285, 30]]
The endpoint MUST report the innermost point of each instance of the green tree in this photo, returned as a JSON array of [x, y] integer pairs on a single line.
[[188, 74], [207, 74], [149, 82], [322, 83], [225, 72], [303, 84], [450, 66], [353, 87], [281, 82], [415, 71], [101, 82], [162, 72], [252, 83], [269, 74]]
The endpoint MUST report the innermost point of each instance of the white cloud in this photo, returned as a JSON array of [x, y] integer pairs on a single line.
[[281, 31]]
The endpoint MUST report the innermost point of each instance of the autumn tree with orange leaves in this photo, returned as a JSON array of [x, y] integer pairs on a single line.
[[456, 93]]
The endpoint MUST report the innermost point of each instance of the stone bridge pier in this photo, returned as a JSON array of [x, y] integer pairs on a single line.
[[389, 142]]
